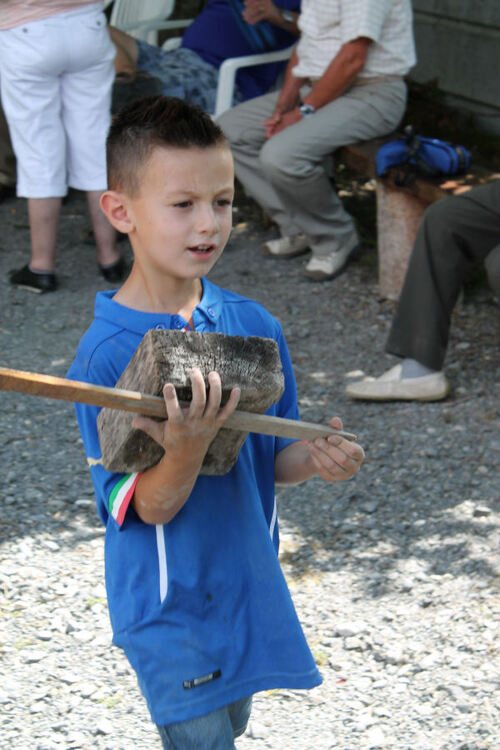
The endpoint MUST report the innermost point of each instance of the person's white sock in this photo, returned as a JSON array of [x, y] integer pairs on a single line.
[[411, 368]]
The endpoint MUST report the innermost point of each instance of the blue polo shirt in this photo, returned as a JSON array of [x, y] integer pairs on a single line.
[[199, 605]]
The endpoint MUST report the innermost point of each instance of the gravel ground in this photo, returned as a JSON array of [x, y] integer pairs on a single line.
[[395, 574]]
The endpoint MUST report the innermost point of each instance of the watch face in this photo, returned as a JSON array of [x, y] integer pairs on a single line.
[[287, 15], [306, 109]]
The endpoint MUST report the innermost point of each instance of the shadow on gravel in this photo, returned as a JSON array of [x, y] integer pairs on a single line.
[[428, 493]]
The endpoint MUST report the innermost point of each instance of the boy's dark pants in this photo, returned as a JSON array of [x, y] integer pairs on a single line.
[[455, 234]]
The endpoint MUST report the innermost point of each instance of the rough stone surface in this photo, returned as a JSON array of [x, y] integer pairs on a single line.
[[251, 364], [394, 574]]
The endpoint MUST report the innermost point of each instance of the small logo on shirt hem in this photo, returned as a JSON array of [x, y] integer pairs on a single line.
[[198, 681]]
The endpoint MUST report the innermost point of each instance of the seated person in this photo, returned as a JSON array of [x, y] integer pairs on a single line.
[[344, 83], [455, 234], [220, 31]]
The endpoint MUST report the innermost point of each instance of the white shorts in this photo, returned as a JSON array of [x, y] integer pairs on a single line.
[[56, 76]]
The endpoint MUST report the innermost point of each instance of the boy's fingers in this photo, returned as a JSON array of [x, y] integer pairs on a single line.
[[231, 405], [345, 455], [214, 394], [174, 411], [199, 392], [326, 461], [336, 423]]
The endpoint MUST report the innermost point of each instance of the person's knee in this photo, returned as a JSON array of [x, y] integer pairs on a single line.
[[277, 162], [229, 124]]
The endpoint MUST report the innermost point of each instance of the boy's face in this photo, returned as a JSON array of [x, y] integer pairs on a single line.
[[182, 215]]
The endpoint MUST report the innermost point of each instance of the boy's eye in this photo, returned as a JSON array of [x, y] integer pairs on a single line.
[[223, 202], [182, 204]]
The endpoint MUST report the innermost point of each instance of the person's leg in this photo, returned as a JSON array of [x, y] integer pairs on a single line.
[[44, 221], [242, 126], [86, 101], [29, 65], [455, 234], [214, 731], [294, 161], [126, 50]]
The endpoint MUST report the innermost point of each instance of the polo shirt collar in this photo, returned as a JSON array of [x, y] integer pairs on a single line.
[[205, 315]]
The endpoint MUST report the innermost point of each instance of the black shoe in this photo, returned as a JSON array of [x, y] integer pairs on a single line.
[[34, 282], [115, 272]]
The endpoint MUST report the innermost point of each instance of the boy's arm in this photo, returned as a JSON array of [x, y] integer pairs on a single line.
[[334, 459], [185, 435]]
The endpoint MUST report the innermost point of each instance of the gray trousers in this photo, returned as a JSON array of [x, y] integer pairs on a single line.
[[289, 174], [454, 235]]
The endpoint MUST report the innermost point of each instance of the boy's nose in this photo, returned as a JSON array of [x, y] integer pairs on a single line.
[[207, 219]]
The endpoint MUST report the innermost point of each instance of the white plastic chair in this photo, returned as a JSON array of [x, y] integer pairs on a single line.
[[144, 19], [229, 68]]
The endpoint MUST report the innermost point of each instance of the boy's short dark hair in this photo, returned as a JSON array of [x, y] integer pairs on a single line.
[[149, 123]]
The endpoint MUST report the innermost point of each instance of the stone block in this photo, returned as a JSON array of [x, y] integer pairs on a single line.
[[252, 364]]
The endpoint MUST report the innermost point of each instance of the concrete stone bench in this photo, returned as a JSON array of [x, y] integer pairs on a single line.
[[400, 209]]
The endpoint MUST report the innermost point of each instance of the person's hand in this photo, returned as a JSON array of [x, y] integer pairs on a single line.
[[280, 120], [187, 433], [272, 123], [335, 458], [261, 10], [285, 120]]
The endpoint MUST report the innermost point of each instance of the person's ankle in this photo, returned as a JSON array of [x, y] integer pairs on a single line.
[[40, 271], [412, 368]]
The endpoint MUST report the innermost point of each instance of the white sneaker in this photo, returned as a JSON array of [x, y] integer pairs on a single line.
[[392, 387], [325, 267], [286, 247]]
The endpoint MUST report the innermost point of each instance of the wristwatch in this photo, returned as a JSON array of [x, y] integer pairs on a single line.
[[306, 109], [287, 15]]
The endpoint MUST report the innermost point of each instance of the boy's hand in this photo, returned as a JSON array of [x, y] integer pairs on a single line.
[[335, 458], [190, 431], [186, 434]]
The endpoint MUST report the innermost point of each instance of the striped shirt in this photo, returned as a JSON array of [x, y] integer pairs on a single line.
[[16, 12], [326, 25]]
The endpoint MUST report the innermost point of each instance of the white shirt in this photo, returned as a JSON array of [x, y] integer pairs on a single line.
[[326, 25]]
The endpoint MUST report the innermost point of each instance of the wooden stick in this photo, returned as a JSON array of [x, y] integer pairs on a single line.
[[37, 384]]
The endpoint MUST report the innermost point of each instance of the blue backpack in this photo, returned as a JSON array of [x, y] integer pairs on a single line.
[[416, 155]]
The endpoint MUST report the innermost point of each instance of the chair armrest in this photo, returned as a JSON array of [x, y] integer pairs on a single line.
[[229, 68]]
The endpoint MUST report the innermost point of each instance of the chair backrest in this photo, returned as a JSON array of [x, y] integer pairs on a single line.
[[125, 14]]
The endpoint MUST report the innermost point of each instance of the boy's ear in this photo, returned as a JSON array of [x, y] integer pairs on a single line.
[[115, 207]]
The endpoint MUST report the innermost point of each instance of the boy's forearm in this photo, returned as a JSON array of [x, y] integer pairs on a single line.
[[162, 490], [293, 465]]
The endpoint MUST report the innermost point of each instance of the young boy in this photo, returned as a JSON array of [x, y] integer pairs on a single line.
[[196, 595]]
